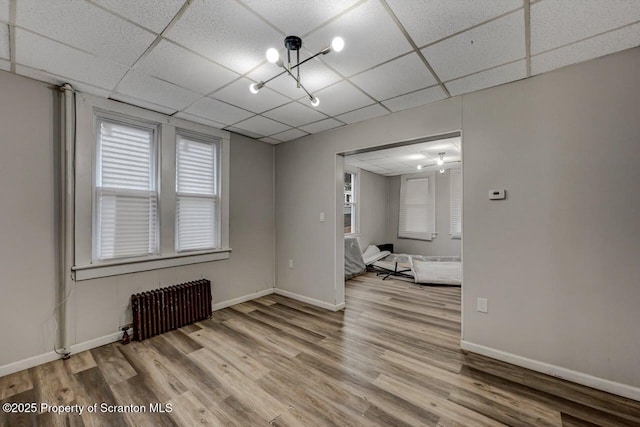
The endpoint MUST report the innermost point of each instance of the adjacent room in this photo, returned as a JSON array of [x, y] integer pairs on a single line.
[[320, 213]]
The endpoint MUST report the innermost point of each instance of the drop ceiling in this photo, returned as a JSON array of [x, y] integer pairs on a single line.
[[195, 59], [406, 159]]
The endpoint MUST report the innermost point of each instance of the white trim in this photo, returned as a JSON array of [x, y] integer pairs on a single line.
[[555, 371], [244, 298], [21, 365], [308, 300], [98, 342]]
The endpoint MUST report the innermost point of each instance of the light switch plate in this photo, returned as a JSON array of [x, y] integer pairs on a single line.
[[483, 305]]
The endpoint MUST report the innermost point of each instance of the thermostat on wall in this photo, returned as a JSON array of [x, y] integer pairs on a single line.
[[497, 194]]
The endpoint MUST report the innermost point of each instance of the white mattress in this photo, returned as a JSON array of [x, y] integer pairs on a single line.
[[423, 269]]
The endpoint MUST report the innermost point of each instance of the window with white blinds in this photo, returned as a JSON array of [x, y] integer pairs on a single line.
[[126, 214], [455, 181], [417, 219], [197, 205]]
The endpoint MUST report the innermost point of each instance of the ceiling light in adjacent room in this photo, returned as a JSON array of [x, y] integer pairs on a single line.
[[441, 159]]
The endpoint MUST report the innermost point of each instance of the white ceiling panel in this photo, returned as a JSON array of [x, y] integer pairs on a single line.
[[395, 78], [556, 23], [493, 77], [142, 103], [237, 93], [226, 32], [59, 81], [289, 135], [4, 10], [154, 15], [370, 37], [365, 113], [157, 91], [177, 65], [85, 26], [295, 114], [610, 42], [340, 98], [415, 99], [243, 132], [321, 126], [428, 21], [294, 19], [196, 119], [5, 52], [487, 46], [212, 109], [44, 54], [5, 65], [261, 126]]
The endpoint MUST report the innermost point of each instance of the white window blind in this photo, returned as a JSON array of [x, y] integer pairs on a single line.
[[455, 181], [197, 210], [350, 203], [126, 196], [417, 207]]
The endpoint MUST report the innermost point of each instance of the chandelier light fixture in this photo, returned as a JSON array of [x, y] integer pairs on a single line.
[[294, 43], [439, 162]]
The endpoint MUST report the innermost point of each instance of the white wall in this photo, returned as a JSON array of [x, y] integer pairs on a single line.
[[557, 259], [28, 171], [373, 209], [442, 244]]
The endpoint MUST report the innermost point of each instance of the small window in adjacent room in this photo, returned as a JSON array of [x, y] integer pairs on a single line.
[[197, 204], [350, 203], [455, 181], [126, 197], [417, 218]]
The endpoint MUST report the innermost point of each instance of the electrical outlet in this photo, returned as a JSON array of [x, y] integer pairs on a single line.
[[483, 305], [290, 263]]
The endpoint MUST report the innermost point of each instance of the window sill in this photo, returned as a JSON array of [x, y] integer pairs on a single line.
[[115, 268]]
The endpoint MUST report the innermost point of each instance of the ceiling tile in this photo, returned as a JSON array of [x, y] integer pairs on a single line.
[[495, 43], [494, 77], [142, 103], [184, 68], [4, 10], [261, 126], [196, 119], [340, 98], [290, 18], [613, 41], [5, 52], [428, 21], [85, 26], [59, 81], [270, 140], [395, 78], [370, 37], [159, 92], [44, 54], [212, 109], [226, 32], [295, 114], [415, 99], [289, 135], [154, 15], [365, 113], [314, 75], [321, 126], [243, 132], [556, 23], [237, 93]]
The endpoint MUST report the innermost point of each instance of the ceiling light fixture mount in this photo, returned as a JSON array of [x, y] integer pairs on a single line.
[[294, 44]]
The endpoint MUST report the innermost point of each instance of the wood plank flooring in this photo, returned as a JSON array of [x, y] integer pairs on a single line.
[[392, 358]]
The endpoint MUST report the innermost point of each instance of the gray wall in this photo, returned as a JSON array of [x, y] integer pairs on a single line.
[[442, 244], [373, 209], [28, 112], [557, 260]]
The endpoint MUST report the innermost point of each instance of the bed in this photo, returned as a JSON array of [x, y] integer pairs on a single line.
[[357, 262], [438, 270]]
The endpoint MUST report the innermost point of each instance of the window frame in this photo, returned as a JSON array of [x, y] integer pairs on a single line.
[[355, 203], [429, 235], [88, 108]]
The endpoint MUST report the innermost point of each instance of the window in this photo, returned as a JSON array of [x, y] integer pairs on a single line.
[[350, 203], [417, 207], [196, 194], [126, 199], [455, 182]]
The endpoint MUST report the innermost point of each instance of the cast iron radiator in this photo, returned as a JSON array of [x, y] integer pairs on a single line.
[[165, 309]]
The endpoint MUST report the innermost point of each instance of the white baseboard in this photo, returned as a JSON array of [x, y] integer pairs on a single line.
[[312, 301], [98, 342], [21, 365], [244, 298], [555, 371]]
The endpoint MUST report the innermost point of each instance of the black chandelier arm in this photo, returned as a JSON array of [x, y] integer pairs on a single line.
[[322, 52], [299, 83]]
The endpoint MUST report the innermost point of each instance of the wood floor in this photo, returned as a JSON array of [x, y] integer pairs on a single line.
[[391, 358]]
